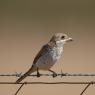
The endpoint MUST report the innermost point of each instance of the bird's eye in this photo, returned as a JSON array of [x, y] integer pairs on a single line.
[[62, 37]]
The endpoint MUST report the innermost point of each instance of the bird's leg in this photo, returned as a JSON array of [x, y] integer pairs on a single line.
[[38, 74], [54, 74]]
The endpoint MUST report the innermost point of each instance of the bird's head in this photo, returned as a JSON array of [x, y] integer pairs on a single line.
[[59, 39]]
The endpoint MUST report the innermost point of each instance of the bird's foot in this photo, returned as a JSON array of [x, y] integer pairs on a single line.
[[54, 75], [38, 74]]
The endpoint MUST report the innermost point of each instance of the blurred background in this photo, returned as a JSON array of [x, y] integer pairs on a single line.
[[26, 25]]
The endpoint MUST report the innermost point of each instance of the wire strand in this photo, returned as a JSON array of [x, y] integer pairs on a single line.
[[59, 74]]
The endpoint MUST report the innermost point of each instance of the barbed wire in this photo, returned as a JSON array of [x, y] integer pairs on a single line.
[[59, 74]]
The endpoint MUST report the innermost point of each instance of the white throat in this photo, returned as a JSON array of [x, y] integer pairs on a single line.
[[60, 43], [59, 49]]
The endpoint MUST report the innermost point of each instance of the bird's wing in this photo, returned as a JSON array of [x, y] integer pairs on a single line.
[[43, 51]]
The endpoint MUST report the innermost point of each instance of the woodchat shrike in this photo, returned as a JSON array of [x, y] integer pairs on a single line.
[[48, 55]]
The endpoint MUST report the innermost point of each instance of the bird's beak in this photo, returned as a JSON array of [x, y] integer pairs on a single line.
[[69, 40]]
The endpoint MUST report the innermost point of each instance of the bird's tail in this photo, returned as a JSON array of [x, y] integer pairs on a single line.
[[31, 70]]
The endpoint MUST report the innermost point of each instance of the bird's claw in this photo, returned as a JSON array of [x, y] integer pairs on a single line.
[[54, 75], [38, 74]]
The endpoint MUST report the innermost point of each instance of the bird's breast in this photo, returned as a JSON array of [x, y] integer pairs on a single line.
[[57, 52], [49, 59]]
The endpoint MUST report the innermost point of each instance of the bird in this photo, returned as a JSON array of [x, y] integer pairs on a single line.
[[49, 54]]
